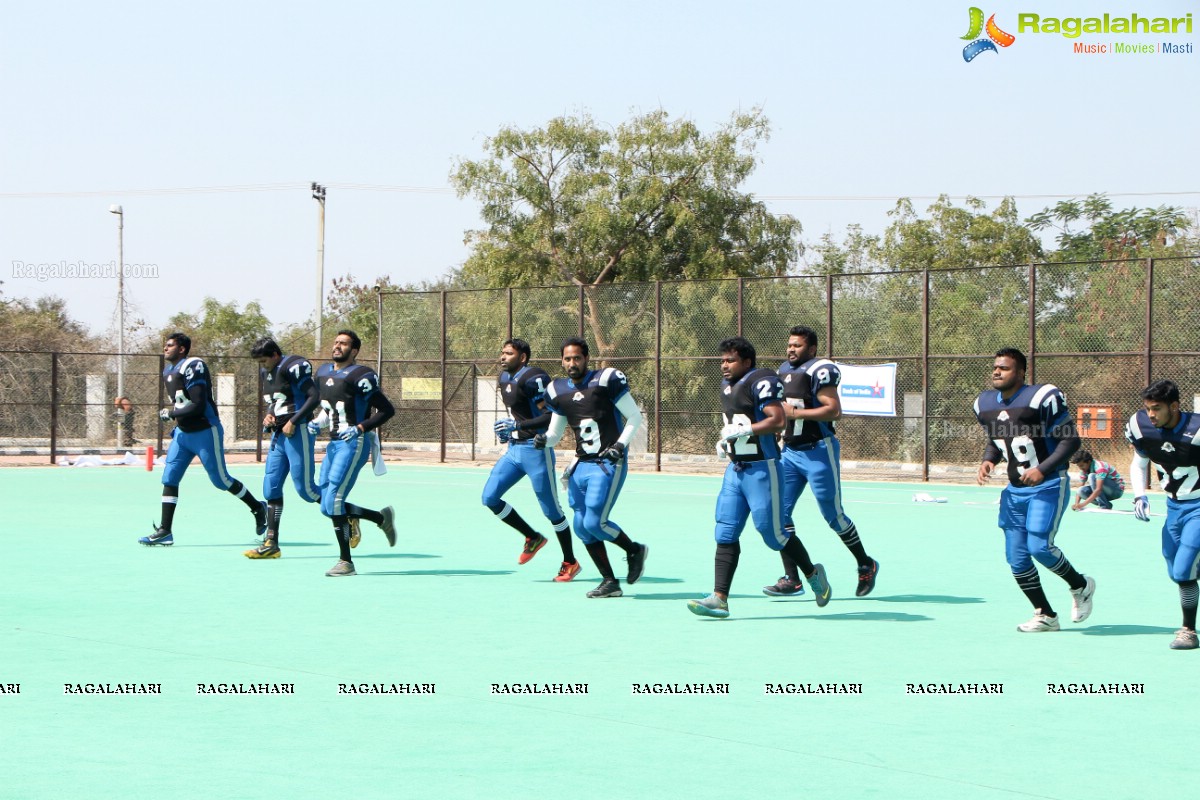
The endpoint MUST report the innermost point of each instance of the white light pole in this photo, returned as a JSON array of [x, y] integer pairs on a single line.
[[318, 193], [120, 212]]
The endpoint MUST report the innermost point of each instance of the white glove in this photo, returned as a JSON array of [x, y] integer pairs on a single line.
[[735, 430], [1141, 508], [164, 414], [318, 423], [350, 434], [722, 448], [504, 429]]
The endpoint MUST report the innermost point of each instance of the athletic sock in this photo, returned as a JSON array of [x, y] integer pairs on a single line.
[[1031, 585], [363, 513], [1064, 570], [625, 543], [850, 538], [341, 530], [726, 562], [1187, 599], [274, 514], [600, 558], [170, 498], [795, 551], [240, 492], [790, 568], [509, 516], [563, 531]]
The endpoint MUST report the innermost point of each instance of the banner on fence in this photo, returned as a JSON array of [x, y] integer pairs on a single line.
[[868, 390], [420, 388]]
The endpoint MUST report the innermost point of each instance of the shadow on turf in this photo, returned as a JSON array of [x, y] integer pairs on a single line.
[[947, 599], [447, 573], [286, 544], [362, 556], [852, 616], [1125, 630]]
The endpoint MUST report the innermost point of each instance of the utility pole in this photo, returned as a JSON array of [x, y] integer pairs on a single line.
[[318, 193]]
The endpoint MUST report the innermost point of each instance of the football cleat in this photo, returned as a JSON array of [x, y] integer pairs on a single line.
[[160, 536], [637, 563], [531, 548], [820, 585], [1081, 601], [268, 549], [1185, 639], [388, 526], [711, 606], [568, 571], [341, 569], [609, 587], [785, 587], [355, 532], [866, 579], [1039, 623]]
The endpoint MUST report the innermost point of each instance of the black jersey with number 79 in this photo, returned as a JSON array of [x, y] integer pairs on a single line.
[[1026, 428]]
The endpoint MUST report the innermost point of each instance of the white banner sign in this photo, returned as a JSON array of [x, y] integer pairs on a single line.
[[868, 391]]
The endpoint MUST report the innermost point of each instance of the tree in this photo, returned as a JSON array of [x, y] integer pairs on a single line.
[[1107, 234], [220, 330], [42, 326], [653, 199]]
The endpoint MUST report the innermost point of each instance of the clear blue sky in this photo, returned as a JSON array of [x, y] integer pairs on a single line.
[[865, 99]]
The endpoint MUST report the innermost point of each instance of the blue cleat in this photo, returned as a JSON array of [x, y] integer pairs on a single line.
[[159, 536]]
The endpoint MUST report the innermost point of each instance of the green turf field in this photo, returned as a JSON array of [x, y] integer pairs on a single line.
[[83, 603]]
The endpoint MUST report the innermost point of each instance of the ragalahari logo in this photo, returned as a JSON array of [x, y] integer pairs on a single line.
[[995, 36]]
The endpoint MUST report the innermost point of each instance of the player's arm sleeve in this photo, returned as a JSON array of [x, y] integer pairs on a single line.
[[194, 407], [1068, 443], [992, 453], [312, 398], [537, 424], [558, 426], [633, 417], [1139, 476], [384, 410]]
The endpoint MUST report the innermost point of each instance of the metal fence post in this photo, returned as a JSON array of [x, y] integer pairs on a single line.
[[54, 408], [740, 298], [658, 376], [925, 379], [829, 316], [442, 409], [1149, 318], [1032, 322]]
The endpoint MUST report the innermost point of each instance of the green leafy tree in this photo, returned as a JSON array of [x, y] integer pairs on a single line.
[[652, 199]]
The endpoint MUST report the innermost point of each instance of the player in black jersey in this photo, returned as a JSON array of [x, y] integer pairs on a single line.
[[604, 417], [1030, 427], [523, 390], [291, 397], [349, 392], [198, 433]]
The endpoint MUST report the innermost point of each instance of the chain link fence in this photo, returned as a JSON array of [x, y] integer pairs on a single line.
[[1100, 331]]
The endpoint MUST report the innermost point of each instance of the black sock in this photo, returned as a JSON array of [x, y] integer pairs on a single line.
[[789, 565], [341, 530], [628, 545], [240, 492], [274, 514], [1187, 600], [600, 558], [850, 538], [170, 497], [509, 516], [1031, 585], [796, 552], [363, 513], [726, 563], [563, 531], [1064, 570]]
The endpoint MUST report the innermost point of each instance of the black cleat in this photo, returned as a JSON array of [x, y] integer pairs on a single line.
[[637, 563], [866, 579], [609, 587]]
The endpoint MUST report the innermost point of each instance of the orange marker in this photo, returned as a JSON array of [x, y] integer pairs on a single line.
[[149, 459]]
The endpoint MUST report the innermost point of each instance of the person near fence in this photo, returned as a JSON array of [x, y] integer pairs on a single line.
[[1161, 433], [197, 433], [1030, 427], [752, 405], [1101, 482], [812, 456], [349, 393], [523, 391], [291, 397], [598, 407]]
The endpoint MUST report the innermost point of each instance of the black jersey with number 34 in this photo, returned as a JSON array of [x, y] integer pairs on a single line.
[[591, 409], [1026, 427], [1175, 452]]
